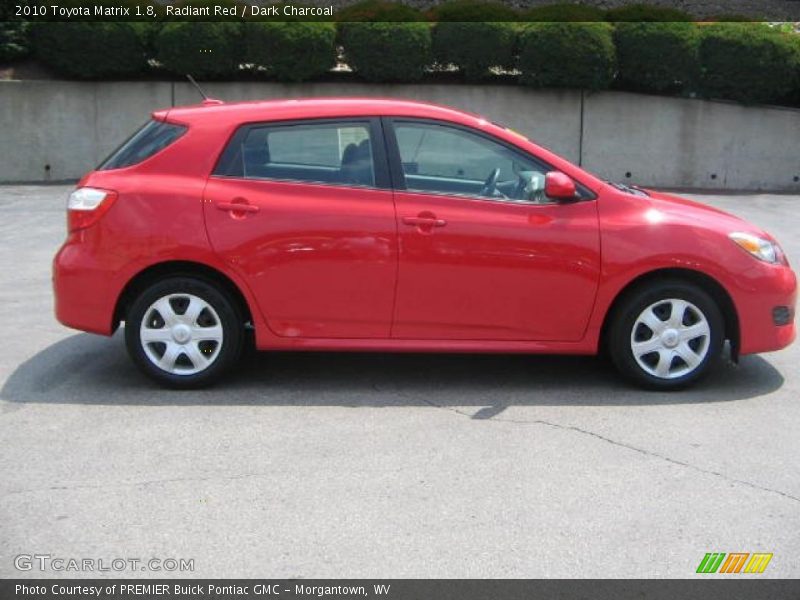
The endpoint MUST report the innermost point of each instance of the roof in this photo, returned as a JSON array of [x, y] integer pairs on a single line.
[[300, 108]]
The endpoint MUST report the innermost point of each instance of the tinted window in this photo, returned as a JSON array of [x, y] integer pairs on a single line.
[[337, 153], [450, 160], [152, 138]]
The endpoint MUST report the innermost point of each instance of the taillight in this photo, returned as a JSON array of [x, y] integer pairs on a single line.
[[86, 206]]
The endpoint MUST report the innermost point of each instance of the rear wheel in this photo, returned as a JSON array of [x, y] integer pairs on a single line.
[[184, 332], [666, 335]]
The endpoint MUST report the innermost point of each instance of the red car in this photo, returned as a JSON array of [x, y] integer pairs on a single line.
[[391, 225]]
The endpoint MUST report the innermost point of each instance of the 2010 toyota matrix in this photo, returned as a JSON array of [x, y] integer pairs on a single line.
[[391, 225]]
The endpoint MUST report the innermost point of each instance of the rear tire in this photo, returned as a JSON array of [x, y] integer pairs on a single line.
[[666, 335], [184, 332]]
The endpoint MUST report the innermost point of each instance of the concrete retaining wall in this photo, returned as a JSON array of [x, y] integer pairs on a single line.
[[57, 130]]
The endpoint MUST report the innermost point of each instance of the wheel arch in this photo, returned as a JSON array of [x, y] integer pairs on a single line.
[[177, 268], [702, 280]]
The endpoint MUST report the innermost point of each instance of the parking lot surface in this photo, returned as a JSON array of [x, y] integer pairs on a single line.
[[380, 465]]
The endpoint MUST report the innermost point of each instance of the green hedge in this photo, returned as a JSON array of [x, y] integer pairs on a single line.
[[657, 57], [203, 50], [387, 51], [291, 51], [13, 40], [748, 62], [474, 47], [646, 12], [564, 13], [571, 55], [472, 10], [378, 10], [91, 50]]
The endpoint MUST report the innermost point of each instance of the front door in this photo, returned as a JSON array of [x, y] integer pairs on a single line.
[[484, 254], [303, 211]]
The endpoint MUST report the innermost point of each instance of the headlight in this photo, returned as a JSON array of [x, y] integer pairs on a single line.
[[761, 248]]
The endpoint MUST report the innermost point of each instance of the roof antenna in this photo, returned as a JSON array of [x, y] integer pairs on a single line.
[[206, 100], [197, 86]]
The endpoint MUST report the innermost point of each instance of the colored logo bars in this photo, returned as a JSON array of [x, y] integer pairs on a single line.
[[735, 562]]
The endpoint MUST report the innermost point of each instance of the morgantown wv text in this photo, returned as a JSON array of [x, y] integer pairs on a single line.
[[212, 591]]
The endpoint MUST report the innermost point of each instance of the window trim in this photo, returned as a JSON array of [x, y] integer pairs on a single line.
[[228, 157], [398, 175]]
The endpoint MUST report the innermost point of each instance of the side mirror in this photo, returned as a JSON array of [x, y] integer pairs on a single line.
[[559, 186]]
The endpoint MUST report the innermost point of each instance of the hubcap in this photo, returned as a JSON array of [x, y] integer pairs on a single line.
[[181, 334], [670, 338]]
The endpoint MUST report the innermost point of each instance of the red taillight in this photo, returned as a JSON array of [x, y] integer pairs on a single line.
[[86, 206]]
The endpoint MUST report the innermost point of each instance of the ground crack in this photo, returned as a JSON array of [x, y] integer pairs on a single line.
[[494, 410]]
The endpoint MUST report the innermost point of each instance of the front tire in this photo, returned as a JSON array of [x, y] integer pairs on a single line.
[[184, 332], [666, 335]]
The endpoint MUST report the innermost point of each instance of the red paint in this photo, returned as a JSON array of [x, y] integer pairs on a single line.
[[346, 268]]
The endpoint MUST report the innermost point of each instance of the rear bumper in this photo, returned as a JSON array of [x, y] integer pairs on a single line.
[[83, 298], [769, 288]]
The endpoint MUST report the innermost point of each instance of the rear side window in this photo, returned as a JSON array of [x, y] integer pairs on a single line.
[[152, 138], [338, 153]]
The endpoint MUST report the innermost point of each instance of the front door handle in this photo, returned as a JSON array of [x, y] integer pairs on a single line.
[[424, 221]]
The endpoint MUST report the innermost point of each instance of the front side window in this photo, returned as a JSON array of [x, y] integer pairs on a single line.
[[153, 137], [334, 153], [448, 160]]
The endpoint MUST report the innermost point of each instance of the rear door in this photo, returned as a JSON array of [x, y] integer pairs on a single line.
[[304, 212]]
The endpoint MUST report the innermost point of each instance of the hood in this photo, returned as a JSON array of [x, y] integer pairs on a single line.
[[683, 209]]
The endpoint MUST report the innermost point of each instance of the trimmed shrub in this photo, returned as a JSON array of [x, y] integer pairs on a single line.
[[148, 33], [729, 18], [748, 62], [291, 51], [564, 13], [13, 40], [573, 55], [472, 10], [387, 51], [474, 47], [657, 57], [90, 50], [201, 49], [378, 10], [646, 12]]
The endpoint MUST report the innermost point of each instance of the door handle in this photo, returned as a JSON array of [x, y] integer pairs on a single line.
[[424, 221], [238, 207]]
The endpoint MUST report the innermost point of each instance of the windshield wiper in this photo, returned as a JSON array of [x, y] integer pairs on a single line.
[[628, 189]]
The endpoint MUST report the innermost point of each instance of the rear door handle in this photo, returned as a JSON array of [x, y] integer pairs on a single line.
[[238, 207]]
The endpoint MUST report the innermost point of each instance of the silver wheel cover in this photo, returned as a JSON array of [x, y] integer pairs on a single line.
[[181, 334], [670, 338]]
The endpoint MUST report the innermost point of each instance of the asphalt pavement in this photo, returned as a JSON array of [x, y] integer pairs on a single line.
[[310, 465]]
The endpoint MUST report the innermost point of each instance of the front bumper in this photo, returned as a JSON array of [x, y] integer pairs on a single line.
[[769, 290]]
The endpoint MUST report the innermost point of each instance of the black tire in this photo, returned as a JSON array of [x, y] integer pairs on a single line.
[[621, 335], [225, 352]]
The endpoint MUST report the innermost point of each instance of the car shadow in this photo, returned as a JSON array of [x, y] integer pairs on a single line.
[[93, 370]]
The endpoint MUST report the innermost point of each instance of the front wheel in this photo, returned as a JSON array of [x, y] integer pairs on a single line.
[[666, 335], [183, 332]]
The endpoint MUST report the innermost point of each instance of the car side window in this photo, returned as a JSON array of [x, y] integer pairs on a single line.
[[333, 153], [442, 159]]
